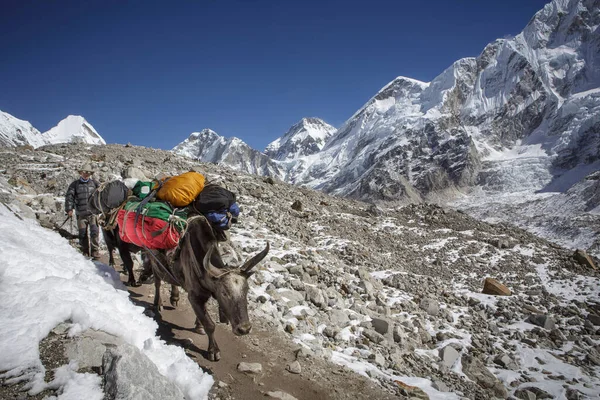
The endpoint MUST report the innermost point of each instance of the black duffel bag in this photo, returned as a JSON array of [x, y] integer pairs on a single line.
[[214, 198], [107, 197]]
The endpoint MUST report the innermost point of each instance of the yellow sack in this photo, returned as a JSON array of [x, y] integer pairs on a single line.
[[182, 189]]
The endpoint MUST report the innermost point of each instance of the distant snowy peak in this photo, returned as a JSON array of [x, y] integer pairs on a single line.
[[304, 138], [209, 146], [202, 146], [16, 132], [73, 129]]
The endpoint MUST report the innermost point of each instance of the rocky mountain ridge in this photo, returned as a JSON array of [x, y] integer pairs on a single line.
[[393, 293], [304, 138], [208, 146]]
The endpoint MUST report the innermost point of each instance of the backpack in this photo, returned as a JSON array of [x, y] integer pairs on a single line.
[[153, 225], [108, 196], [181, 190]]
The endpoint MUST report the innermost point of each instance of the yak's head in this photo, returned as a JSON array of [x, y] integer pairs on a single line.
[[230, 288], [229, 285]]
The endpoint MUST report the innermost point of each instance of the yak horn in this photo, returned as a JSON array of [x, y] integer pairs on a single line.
[[208, 267], [248, 265]]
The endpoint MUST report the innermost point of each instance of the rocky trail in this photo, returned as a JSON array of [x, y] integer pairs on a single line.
[[311, 378]]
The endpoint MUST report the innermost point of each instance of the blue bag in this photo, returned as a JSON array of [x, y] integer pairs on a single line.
[[222, 220]]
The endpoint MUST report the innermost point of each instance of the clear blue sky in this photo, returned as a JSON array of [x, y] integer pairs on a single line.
[[152, 72]]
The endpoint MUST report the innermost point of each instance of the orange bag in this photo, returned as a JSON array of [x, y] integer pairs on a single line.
[[182, 189]]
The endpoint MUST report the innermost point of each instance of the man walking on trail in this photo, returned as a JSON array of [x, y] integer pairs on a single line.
[[77, 198]]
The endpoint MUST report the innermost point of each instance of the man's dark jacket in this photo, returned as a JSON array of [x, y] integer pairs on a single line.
[[77, 196]]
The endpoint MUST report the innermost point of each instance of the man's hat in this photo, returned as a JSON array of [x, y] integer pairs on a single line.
[[86, 168]]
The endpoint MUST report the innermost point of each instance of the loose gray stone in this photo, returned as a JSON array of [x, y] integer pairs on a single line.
[[294, 367], [128, 374], [377, 358], [594, 319], [430, 306], [476, 371], [281, 395], [315, 296], [380, 325], [249, 368], [339, 318], [542, 320], [449, 355], [373, 336], [330, 332], [297, 284], [441, 386]]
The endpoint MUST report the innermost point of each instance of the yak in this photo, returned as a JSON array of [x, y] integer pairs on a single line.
[[198, 268]]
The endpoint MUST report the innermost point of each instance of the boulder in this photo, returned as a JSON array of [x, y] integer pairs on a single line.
[[477, 371], [373, 336], [495, 288], [449, 355], [584, 259], [128, 374], [542, 320], [339, 318], [297, 205], [315, 296], [381, 325], [431, 306], [411, 392]]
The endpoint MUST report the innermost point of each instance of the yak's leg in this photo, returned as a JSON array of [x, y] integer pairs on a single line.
[[157, 300], [199, 305], [174, 295], [127, 263], [199, 328], [111, 257], [147, 273]]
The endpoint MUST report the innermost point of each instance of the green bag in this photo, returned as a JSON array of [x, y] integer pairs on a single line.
[[158, 209], [142, 189]]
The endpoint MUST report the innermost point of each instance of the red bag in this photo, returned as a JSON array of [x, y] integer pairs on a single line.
[[149, 232]]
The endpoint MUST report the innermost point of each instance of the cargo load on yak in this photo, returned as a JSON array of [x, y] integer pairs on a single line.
[[153, 225], [218, 205], [181, 190], [108, 196]]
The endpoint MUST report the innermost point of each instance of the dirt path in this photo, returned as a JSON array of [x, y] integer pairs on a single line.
[[318, 379]]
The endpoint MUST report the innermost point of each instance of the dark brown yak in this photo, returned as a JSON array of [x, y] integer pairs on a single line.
[[198, 268]]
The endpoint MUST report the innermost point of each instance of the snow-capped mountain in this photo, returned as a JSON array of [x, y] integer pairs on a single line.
[[538, 94], [16, 132], [208, 146], [73, 129], [520, 123], [304, 138]]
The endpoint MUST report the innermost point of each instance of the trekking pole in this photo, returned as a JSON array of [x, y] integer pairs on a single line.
[[65, 221]]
